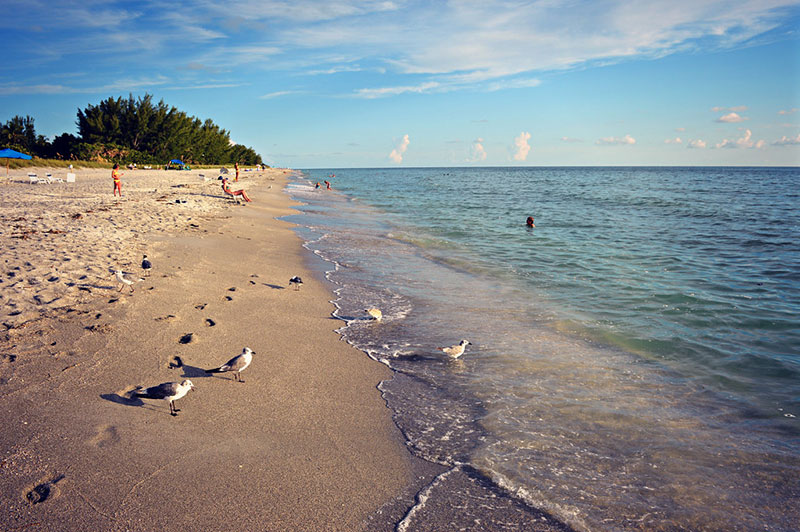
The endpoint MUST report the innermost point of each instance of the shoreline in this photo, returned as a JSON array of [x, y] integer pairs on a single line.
[[306, 443]]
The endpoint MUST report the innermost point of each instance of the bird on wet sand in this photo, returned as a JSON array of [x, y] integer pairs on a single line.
[[124, 281], [374, 313], [168, 391], [296, 282], [455, 351], [146, 265], [237, 364]]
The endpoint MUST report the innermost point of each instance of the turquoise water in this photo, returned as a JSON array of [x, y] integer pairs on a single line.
[[636, 356]]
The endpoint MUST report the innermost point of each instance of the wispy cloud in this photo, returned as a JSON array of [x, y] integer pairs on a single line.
[[627, 140], [521, 147], [737, 109], [571, 139], [676, 140], [698, 144], [787, 141], [276, 94], [787, 111], [392, 91], [396, 155]]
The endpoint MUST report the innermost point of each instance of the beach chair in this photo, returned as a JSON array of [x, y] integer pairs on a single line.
[[51, 179], [33, 178]]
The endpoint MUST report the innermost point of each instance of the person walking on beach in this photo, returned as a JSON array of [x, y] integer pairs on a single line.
[[116, 175], [236, 165]]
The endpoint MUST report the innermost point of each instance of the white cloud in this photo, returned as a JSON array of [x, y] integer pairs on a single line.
[[521, 147], [676, 140], [393, 91], [513, 84], [787, 111], [736, 109], [616, 141], [477, 151], [745, 142], [787, 141], [571, 139], [397, 153], [276, 94], [680, 129], [731, 118], [696, 144]]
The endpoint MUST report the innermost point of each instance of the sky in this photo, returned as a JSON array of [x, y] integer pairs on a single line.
[[340, 83]]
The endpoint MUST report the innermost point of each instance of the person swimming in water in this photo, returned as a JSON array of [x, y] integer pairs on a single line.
[[529, 222]]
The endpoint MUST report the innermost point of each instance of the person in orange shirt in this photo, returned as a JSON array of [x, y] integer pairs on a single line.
[[116, 175], [236, 165]]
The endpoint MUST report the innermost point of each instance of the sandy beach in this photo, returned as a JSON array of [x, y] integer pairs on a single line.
[[305, 443]]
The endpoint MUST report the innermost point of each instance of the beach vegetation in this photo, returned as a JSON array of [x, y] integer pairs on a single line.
[[131, 130]]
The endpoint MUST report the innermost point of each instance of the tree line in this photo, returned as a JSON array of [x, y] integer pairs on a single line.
[[132, 130]]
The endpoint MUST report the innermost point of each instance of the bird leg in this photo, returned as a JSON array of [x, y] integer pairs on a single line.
[[172, 410]]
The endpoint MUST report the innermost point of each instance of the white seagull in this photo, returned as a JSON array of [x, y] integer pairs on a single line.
[[296, 281], [124, 281], [374, 313], [169, 391], [455, 351], [146, 265], [237, 364]]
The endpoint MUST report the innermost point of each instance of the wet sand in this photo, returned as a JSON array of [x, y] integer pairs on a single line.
[[305, 443]]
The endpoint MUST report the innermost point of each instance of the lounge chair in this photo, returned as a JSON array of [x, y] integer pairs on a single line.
[[34, 179], [234, 193], [51, 179]]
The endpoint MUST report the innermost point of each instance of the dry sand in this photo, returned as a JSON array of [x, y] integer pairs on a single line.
[[306, 443]]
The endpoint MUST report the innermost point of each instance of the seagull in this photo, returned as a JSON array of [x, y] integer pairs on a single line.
[[146, 265], [170, 391], [374, 313], [296, 281], [238, 364], [124, 281], [456, 350]]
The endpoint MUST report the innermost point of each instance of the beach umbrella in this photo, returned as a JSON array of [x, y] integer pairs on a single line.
[[11, 154]]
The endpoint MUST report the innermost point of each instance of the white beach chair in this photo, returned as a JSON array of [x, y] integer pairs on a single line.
[[51, 179], [33, 178]]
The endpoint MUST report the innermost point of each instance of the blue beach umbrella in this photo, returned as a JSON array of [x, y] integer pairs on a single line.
[[8, 153]]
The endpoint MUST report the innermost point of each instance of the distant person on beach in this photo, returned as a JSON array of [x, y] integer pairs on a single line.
[[236, 165], [317, 185], [116, 175], [529, 222], [328, 184]]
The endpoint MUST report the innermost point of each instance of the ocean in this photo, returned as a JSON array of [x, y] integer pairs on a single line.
[[635, 357]]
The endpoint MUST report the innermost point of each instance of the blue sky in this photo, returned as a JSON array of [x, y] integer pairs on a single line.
[[326, 84]]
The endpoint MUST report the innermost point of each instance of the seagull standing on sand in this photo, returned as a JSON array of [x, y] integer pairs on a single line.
[[455, 351], [374, 313], [124, 281], [296, 281], [146, 265], [237, 364], [169, 391]]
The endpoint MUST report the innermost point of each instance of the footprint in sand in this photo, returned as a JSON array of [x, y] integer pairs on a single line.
[[210, 322], [106, 435], [187, 338], [201, 306], [44, 491], [168, 317]]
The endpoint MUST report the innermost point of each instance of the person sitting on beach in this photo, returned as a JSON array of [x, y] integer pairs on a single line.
[[234, 193], [529, 222], [116, 175]]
